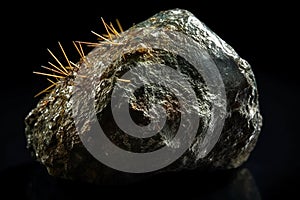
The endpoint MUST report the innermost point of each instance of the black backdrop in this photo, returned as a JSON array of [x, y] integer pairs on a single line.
[[262, 33]]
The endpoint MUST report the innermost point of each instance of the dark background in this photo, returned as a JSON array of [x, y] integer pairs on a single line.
[[262, 33]]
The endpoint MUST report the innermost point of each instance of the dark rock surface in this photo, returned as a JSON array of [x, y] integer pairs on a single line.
[[55, 142]]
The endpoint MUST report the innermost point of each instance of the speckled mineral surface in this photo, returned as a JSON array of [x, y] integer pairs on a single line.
[[54, 139]]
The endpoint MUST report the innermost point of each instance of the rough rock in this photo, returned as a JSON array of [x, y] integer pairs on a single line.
[[54, 140]]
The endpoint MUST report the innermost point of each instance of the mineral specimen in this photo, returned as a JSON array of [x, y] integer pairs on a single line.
[[173, 39]]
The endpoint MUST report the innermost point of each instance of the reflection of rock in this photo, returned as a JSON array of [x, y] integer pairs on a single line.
[[241, 187], [245, 184], [33, 182], [53, 138]]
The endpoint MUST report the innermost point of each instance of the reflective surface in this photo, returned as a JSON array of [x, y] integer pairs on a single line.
[[31, 181]]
